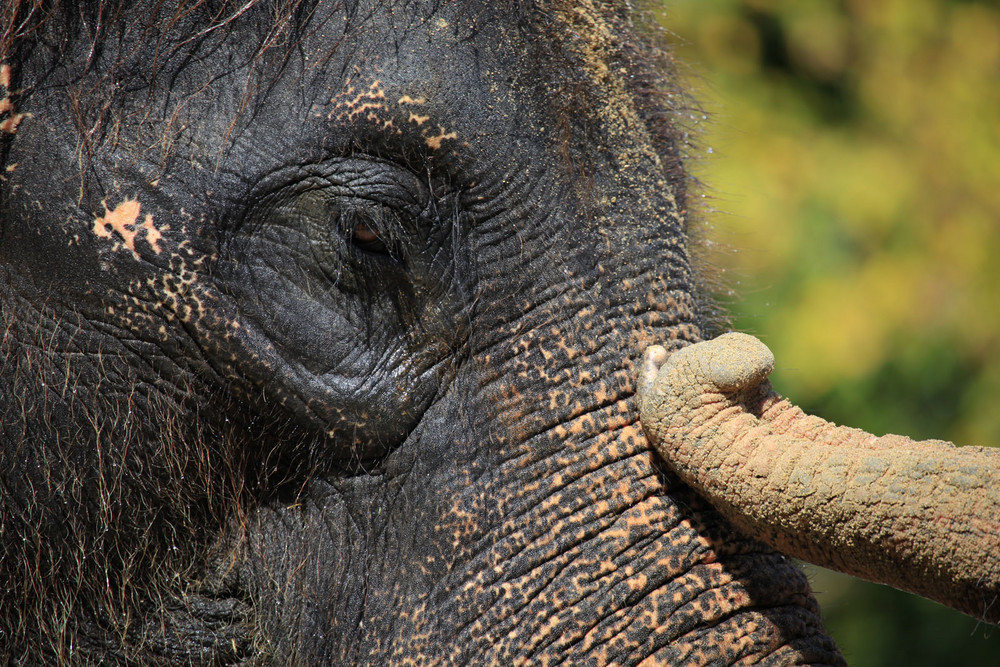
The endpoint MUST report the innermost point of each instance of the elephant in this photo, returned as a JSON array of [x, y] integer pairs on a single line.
[[323, 323]]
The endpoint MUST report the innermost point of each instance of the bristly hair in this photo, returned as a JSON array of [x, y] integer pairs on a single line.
[[22, 19], [93, 43]]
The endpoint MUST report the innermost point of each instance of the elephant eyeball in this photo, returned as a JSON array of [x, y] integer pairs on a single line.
[[364, 234], [365, 237]]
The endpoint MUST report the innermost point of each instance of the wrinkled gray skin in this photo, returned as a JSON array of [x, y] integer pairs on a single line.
[[920, 516], [321, 329]]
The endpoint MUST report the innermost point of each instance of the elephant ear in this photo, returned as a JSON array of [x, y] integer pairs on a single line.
[[919, 516]]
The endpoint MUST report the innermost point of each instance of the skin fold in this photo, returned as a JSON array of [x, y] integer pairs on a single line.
[[919, 516]]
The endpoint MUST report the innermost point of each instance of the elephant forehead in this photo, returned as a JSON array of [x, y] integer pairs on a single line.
[[464, 86]]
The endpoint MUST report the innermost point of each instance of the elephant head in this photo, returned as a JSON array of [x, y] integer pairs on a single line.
[[322, 320]]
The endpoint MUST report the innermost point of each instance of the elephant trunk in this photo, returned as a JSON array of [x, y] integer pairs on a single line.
[[920, 516]]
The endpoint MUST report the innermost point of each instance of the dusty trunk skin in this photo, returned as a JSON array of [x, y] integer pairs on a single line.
[[321, 323], [920, 516]]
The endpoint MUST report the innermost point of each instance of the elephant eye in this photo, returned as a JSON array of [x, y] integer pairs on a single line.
[[372, 232], [367, 239]]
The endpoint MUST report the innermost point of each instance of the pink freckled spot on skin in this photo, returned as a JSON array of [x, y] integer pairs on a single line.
[[119, 219], [419, 120], [353, 104], [10, 125], [435, 142], [123, 220], [638, 583], [406, 99], [153, 235]]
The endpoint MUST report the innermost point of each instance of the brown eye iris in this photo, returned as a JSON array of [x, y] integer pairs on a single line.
[[368, 230], [363, 234], [366, 238]]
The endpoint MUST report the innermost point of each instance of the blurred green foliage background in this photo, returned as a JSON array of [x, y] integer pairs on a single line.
[[852, 156]]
